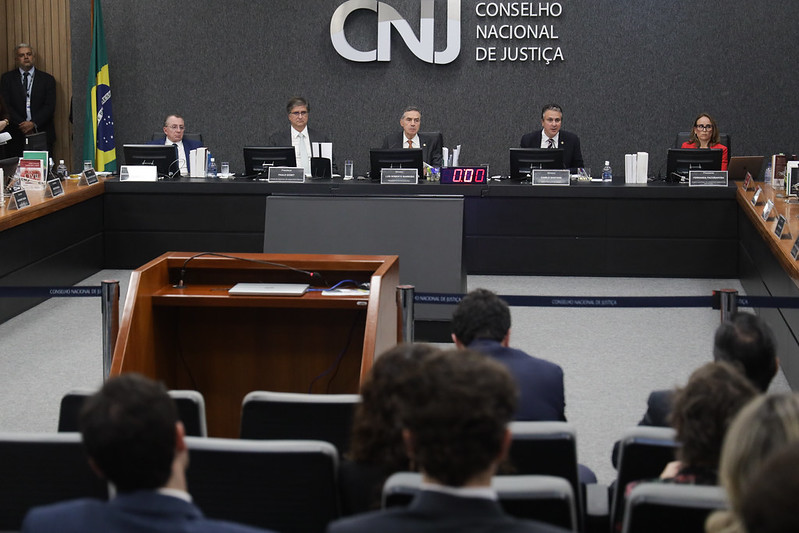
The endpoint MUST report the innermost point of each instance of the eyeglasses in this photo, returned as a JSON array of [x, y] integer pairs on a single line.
[[704, 126], [176, 127], [298, 113]]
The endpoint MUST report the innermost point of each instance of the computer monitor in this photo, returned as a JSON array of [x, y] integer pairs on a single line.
[[258, 159], [680, 161], [163, 156], [381, 158], [524, 160]]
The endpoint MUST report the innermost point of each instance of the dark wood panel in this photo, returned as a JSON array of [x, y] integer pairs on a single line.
[[673, 258], [535, 255], [535, 216], [672, 218]]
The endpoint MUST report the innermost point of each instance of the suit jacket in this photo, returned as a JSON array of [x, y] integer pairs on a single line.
[[282, 137], [188, 146], [658, 409], [42, 104], [567, 141], [540, 382], [127, 513], [431, 146], [435, 511]]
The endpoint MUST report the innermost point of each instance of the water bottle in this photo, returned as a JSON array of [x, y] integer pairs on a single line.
[[61, 171], [607, 172], [767, 177], [212, 168]]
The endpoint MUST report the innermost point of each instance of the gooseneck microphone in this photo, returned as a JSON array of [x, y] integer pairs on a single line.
[[316, 278]]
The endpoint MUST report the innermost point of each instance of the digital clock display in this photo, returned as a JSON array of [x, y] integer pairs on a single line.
[[465, 175]]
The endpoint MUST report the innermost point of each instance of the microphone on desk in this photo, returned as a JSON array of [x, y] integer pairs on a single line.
[[170, 173], [315, 277]]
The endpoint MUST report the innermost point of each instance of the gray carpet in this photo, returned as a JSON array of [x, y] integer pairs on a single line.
[[612, 358]]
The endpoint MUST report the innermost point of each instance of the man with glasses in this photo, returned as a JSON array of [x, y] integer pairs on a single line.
[[551, 136], [430, 143], [299, 135], [174, 128]]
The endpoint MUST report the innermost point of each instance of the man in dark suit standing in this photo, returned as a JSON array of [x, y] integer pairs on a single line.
[[29, 94], [174, 128], [551, 136], [134, 439], [299, 135], [455, 429], [431, 144]]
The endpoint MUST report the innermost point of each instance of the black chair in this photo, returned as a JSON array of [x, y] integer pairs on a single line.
[[666, 508], [685, 136], [287, 486], [190, 136], [190, 405], [36, 141], [545, 498], [643, 454], [289, 415], [39, 469]]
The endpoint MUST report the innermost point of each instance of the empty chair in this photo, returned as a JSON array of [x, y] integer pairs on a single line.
[[38, 469], [190, 405], [665, 508], [544, 498], [643, 454], [288, 486], [289, 415]]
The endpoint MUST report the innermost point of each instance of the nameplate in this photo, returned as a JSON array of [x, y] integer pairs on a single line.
[[795, 249], [757, 195], [19, 200], [54, 189], [747, 181], [404, 176], [551, 177], [767, 209], [707, 178], [286, 175], [138, 173], [780, 228], [88, 177]]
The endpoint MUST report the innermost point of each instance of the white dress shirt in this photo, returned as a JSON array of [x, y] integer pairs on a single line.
[[545, 139]]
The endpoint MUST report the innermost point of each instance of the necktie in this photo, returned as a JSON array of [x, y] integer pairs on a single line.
[[410, 143], [551, 144], [306, 163], [25, 82]]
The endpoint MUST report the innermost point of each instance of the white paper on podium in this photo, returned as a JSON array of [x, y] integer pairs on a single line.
[[456, 156], [642, 167], [198, 161], [445, 155], [630, 167]]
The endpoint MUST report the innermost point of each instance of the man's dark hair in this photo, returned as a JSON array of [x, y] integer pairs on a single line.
[[295, 101], [704, 409], [747, 341], [458, 417], [551, 107], [128, 430], [166, 118], [481, 315]]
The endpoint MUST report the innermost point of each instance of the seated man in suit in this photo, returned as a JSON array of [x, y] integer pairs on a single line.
[[174, 128], [411, 121], [551, 136], [134, 439], [299, 135], [455, 429], [746, 342]]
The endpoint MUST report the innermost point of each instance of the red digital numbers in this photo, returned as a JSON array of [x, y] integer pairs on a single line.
[[469, 175]]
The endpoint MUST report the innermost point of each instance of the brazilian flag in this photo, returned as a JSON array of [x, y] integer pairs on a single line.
[[98, 133]]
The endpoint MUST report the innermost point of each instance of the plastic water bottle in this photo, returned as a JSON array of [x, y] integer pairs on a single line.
[[607, 172], [61, 171], [212, 168], [767, 177]]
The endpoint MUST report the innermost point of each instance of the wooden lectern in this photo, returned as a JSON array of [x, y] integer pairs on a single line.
[[199, 337]]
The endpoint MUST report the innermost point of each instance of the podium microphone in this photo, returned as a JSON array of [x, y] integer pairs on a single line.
[[316, 278]]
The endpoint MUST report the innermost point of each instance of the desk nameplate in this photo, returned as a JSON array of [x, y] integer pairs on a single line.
[[551, 177], [707, 178]]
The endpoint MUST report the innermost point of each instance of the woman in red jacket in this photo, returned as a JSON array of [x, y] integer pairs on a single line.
[[705, 134]]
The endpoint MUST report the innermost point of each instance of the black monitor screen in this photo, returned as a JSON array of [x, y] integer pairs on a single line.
[[395, 158], [258, 159], [162, 156], [682, 160], [524, 160]]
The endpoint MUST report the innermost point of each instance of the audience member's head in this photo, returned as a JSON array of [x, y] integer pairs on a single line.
[[376, 431], [456, 423], [480, 315], [747, 341], [704, 409], [131, 432], [764, 426], [769, 503]]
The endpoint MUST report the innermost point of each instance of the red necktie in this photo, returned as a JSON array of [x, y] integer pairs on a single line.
[[410, 143]]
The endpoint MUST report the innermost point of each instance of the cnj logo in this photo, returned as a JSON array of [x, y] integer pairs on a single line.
[[387, 16]]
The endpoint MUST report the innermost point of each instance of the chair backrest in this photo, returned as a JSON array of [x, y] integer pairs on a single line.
[[36, 141], [545, 498], [189, 136], [190, 405], [685, 136], [289, 415], [662, 507], [42, 468], [287, 486], [643, 453]]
